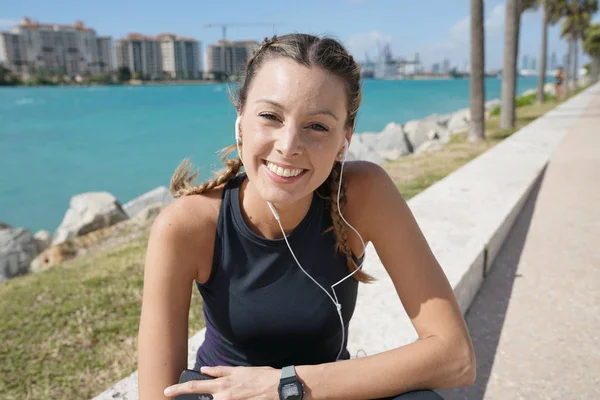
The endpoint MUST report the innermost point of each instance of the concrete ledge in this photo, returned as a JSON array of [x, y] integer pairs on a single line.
[[481, 201]]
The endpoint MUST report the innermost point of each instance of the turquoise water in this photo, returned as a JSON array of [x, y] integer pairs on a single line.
[[58, 142]]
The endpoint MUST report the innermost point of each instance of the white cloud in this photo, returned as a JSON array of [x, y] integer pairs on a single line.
[[360, 43], [494, 24], [460, 30], [7, 23]]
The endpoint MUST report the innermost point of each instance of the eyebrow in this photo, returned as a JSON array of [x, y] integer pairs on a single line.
[[317, 112]]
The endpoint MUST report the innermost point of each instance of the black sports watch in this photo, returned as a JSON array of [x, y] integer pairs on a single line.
[[290, 387]]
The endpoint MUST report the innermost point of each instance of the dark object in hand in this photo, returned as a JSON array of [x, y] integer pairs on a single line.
[[191, 375]]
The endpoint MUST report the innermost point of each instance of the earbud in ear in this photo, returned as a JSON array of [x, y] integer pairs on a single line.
[[237, 129]]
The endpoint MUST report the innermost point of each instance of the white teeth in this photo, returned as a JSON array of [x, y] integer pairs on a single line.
[[286, 173]]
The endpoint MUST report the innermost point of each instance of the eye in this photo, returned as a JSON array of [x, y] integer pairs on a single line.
[[269, 116], [318, 127]]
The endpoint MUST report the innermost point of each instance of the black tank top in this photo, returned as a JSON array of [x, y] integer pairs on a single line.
[[260, 308]]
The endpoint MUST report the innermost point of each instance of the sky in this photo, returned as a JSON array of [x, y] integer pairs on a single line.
[[436, 29]]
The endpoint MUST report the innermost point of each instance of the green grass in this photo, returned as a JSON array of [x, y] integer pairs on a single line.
[[71, 332]]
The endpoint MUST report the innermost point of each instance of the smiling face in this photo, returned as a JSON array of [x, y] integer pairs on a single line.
[[292, 126]]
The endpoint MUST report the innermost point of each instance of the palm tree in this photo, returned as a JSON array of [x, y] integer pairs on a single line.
[[509, 69], [551, 14], [578, 14], [591, 45], [477, 87]]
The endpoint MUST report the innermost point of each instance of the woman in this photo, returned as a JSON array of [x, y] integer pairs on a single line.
[[271, 314], [558, 87]]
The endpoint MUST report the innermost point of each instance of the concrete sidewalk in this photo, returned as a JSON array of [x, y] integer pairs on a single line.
[[535, 322]]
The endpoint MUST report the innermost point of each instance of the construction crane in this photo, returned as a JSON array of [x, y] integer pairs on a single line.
[[224, 26]]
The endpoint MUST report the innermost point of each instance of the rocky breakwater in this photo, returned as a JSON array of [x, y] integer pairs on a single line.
[[398, 140], [92, 217]]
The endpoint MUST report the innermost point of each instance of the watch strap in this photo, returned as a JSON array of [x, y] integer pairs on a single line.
[[288, 372]]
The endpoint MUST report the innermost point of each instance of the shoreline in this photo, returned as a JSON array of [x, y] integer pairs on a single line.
[[59, 215]]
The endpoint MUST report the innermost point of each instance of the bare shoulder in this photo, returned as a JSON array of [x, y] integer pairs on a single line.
[[187, 228], [368, 187]]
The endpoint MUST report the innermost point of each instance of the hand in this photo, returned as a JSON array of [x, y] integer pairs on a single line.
[[233, 383]]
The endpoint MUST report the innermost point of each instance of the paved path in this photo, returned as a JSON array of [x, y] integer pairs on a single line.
[[535, 322]]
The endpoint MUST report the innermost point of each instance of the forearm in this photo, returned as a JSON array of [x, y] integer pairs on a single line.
[[425, 364], [161, 359]]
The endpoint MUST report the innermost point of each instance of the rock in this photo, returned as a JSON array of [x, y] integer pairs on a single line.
[[54, 255], [430, 145], [4, 226], [459, 122], [440, 119], [361, 148], [419, 132], [43, 240], [529, 92], [490, 105], [88, 212], [160, 195], [550, 89], [148, 214], [17, 249]]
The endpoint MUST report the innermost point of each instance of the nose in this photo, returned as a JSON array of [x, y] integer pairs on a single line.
[[288, 142]]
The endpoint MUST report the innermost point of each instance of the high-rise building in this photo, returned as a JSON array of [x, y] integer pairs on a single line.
[[180, 56], [533, 63], [553, 61], [141, 54], [13, 53], [446, 67], [525, 62], [435, 69], [230, 58], [68, 49]]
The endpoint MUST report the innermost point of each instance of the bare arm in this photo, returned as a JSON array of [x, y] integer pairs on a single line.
[[171, 266], [443, 356]]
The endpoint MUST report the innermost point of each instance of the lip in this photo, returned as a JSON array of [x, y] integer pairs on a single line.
[[282, 165]]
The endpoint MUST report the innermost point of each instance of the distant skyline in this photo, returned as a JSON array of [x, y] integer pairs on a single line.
[[408, 26]]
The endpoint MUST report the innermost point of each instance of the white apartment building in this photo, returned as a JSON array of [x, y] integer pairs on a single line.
[[229, 57], [180, 56], [69, 49], [141, 54]]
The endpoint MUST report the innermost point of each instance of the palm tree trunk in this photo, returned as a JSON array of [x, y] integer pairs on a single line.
[[543, 56], [509, 69], [567, 70], [595, 70], [575, 66], [477, 84]]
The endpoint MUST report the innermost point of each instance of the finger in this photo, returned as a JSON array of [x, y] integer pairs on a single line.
[[190, 387], [216, 372]]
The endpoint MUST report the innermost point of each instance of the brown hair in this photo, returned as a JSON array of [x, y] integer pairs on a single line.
[[307, 50]]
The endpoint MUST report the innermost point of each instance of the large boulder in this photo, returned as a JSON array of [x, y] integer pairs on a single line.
[[490, 105], [17, 249], [459, 122], [43, 240], [420, 131], [550, 89], [89, 212], [393, 140], [529, 92], [440, 119], [361, 148], [160, 195]]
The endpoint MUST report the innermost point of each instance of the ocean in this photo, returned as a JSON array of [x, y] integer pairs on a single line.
[[58, 142]]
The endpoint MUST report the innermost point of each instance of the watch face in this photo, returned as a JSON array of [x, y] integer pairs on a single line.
[[290, 390]]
